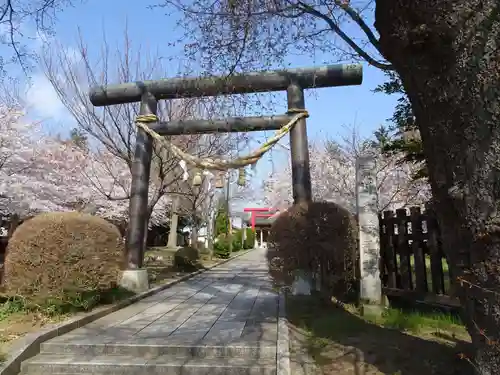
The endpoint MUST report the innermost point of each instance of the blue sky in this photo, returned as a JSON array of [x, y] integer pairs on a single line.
[[330, 109]]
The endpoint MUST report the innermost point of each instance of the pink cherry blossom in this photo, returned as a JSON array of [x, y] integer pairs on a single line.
[[333, 178]]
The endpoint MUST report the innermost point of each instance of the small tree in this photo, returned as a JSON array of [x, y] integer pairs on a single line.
[[404, 137], [79, 138], [221, 221], [249, 239]]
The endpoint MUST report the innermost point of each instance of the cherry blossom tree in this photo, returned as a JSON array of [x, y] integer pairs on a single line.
[[112, 129], [110, 178], [19, 145], [39, 173], [65, 177], [333, 177], [17, 139], [54, 179]]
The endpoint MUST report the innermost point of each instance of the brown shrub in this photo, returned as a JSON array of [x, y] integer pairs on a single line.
[[187, 258], [56, 256], [319, 237]]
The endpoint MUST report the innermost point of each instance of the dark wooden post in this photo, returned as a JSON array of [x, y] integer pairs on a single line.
[[435, 251], [418, 254], [390, 255], [299, 148], [141, 169], [403, 249]]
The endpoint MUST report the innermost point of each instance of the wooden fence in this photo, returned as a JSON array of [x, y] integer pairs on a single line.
[[413, 265]]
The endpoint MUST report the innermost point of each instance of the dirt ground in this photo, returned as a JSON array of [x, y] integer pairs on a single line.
[[14, 325], [301, 360], [341, 342], [17, 325]]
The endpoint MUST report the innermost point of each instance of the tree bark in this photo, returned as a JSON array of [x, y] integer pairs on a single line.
[[447, 54]]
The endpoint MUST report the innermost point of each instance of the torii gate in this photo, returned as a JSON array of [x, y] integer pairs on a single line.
[[294, 81], [259, 212]]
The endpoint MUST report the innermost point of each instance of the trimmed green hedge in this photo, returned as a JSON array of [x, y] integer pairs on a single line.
[[221, 247], [238, 240], [249, 239]]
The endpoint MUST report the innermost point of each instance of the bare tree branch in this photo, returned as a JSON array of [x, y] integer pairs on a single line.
[[16, 16], [112, 129], [226, 36], [335, 28]]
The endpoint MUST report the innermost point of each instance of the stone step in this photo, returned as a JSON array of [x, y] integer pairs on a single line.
[[44, 364], [151, 350]]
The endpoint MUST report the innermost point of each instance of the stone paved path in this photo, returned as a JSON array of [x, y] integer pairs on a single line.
[[229, 312]]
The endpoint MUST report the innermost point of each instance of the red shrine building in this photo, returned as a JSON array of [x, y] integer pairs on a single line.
[[260, 220]]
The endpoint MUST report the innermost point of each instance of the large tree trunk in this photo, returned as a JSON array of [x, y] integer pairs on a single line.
[[447, 54]]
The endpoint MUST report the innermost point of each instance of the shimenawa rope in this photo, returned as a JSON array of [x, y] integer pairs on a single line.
[[142, 122]]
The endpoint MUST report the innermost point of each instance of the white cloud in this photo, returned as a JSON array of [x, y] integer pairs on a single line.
[[40, 100], [43, 102], [43, 105]]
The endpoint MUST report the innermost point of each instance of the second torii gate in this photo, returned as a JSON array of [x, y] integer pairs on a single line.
[[259, 212]]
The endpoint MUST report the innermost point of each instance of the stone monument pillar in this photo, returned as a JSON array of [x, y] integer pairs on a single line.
[[369, 241]]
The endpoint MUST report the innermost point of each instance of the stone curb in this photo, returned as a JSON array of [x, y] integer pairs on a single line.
[[283, 343], [29, 346]]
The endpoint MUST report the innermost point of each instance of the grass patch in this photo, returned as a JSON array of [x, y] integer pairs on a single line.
[[19, 316], [341, 341], [74, 303], [427, 259], [417, 322]]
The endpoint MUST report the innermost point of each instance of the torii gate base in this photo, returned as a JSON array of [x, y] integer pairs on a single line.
[[294, 81]]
